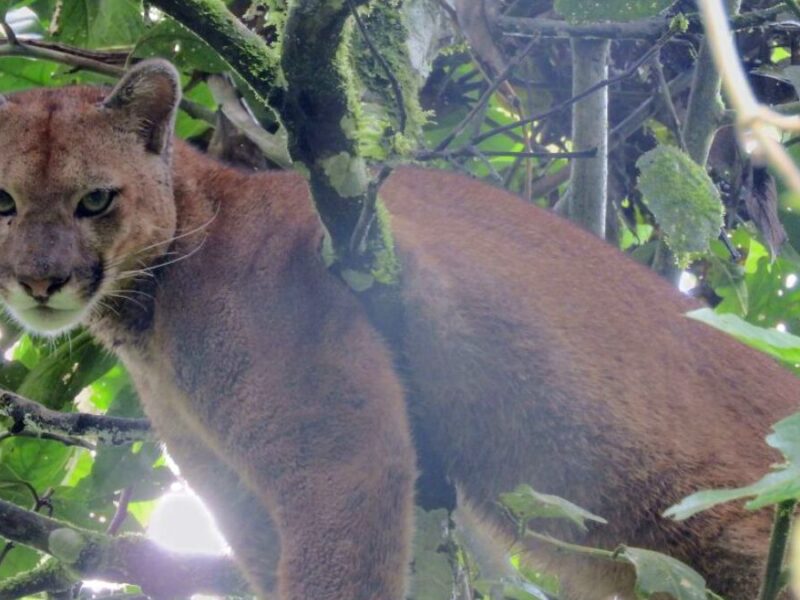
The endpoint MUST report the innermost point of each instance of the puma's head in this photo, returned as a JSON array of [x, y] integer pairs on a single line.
[[85, 193]]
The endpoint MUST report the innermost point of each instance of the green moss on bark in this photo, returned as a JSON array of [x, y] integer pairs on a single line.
[[382, 136]]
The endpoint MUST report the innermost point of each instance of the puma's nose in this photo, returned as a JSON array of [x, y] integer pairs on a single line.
[[42, 289]]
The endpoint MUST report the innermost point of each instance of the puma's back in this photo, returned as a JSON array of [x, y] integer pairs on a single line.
[[539, 354], [526, 352]]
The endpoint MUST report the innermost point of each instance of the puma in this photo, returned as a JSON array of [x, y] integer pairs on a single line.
[[530, 352]]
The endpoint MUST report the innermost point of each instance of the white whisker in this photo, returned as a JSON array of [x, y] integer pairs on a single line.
[[165, 263]]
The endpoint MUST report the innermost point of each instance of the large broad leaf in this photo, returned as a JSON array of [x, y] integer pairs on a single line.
[[40, 463], [525, 503], [23, 73], [18, 560], [783, 346], [100, 23], [55, 380], [773, 488], [170, 39], [577, 11], [660, 574], [683, 199]]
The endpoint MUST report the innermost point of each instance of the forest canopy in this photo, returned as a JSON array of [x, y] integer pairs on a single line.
[[609, 113]]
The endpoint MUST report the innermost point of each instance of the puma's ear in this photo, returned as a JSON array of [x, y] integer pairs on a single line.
[[147, 99]]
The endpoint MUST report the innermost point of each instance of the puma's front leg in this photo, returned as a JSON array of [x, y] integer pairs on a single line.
[[241, 516], [346, 533], [337, 473]]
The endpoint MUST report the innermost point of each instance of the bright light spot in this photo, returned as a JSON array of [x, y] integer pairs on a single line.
[[779, 293], [781, 327], [791, 281], [9, 354], [181, 523], [687, 282], [751, 145], [95, 585], [177, 47]]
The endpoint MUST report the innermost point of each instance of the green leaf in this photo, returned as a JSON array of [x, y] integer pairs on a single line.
[[41, 463], [18, 560], [783, 346], [433, 576], [525, 503], [100, 23], [578, 11], [700, 501], [773, 488], [683, 199], [660, 574], [12, 374], [56, 379], [169, 39]]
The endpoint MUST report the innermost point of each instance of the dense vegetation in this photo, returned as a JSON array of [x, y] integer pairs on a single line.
[[488, 91]]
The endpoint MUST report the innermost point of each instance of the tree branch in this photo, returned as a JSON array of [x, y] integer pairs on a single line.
[[589, 178], [49, 576], [241, 48], [104, 63], [642, 29], [313, 94], [33, 418], [132, 559]]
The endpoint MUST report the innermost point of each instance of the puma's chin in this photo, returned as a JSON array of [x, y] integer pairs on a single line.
[[62, 312], [49, 321]]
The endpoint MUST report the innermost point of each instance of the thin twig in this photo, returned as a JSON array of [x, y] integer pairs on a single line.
[[11, 36], [485, 97], [632, 70], [472, 151], [666, 98], [89, 61], [367, 216], [122, 511]]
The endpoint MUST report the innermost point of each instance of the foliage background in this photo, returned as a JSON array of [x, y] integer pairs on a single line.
[[86, 484]]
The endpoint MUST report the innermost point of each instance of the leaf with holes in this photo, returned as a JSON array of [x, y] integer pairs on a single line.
[[683, 199]]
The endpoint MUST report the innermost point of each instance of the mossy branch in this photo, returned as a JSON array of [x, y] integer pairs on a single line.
[[313, 91], [242, 49], [81, 554], [34, 419]]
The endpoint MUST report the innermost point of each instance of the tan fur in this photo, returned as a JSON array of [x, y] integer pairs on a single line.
[[528, 352]]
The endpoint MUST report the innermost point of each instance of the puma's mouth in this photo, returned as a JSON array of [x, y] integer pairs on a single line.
[[48, 320], [60, 313]]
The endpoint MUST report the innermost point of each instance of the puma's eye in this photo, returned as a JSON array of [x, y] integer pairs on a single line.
[[95, 203], [8, 207]]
